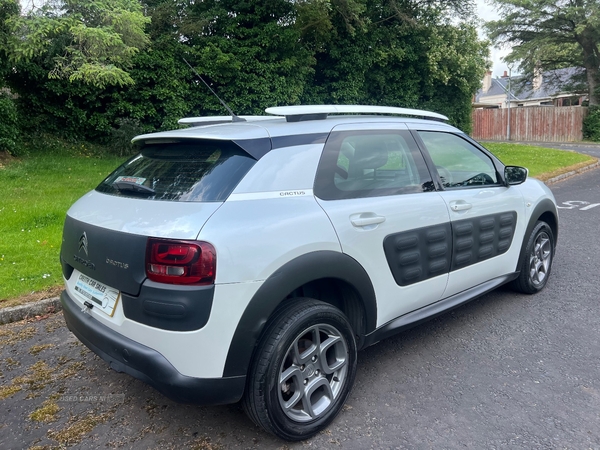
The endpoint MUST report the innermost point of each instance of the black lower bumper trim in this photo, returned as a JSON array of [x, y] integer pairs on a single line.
[[146, 364]]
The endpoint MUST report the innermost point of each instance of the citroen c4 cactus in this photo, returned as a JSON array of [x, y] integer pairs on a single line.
[[248, 259]]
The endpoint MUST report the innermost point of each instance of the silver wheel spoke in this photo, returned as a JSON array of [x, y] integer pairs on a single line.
[[302, 356], [317, 397], [339, 362]]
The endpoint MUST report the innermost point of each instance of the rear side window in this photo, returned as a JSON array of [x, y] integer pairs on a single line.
[[371, 164], [185, 171]]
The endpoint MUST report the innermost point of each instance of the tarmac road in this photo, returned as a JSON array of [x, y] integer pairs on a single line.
[[505, 371]]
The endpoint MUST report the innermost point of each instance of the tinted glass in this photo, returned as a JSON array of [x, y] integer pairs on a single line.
[[458, 162], [370, 164], [186, 171]]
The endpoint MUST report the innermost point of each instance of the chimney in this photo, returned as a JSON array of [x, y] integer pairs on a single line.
[[487, 81], [537, 76], [505, 74]]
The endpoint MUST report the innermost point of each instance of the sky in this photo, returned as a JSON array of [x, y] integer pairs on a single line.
[[486, 13]]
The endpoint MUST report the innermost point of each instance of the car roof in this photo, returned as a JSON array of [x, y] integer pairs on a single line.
[[291, 121]]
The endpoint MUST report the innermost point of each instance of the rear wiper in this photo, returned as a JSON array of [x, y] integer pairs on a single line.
[[130, 186]]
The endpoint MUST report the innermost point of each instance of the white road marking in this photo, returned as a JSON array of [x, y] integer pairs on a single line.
[[593, 205], [578, 204], [572, 204]]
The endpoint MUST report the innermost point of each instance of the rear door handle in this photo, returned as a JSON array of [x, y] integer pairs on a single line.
[[366, 219], [460, 205]]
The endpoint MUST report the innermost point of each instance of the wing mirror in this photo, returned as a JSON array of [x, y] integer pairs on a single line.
[[515, 174]]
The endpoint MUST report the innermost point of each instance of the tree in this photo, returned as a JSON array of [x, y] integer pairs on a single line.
[[250, 51], [551, 34], [8, 10], [417, 54], [90, 41]]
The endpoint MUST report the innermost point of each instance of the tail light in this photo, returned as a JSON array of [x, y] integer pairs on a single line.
[[180, 262]]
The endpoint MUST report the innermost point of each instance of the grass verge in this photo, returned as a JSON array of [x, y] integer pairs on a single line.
[[543, 163], [35, 192], [37, 189]]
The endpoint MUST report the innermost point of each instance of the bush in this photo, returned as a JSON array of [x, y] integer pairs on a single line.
[[120, 138], [9, 131], [591, 124]]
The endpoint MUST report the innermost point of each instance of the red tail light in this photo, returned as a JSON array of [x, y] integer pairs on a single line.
[[180, 262]]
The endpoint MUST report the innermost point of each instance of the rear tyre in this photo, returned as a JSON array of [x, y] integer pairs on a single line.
[[303, 370], [536, 260]]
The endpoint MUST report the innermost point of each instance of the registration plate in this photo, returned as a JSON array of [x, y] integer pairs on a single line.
[[98, 294]]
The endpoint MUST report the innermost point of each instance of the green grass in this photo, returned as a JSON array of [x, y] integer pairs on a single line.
[[541, 162], [35, 192], [37, 189]]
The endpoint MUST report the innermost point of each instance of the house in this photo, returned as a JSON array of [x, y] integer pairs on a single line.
[[560, 87]]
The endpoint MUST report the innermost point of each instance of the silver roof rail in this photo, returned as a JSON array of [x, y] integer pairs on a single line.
[[315, 112], [214, 120]]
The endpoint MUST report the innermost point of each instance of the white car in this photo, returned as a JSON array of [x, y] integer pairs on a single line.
[[250, 258]]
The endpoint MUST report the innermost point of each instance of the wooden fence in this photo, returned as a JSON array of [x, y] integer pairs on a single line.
[[530, 124]]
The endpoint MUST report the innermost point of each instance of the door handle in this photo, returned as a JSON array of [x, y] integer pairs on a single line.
[[366, 219], [460, 205]]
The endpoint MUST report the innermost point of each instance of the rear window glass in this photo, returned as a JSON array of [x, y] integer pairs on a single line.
[[185, 171]]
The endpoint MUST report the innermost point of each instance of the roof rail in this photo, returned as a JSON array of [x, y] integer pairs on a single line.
[[300, 113], [214, 120]]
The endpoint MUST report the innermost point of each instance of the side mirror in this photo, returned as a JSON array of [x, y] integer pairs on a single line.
[[515, 174]]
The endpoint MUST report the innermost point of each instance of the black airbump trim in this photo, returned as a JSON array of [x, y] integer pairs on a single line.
[[420, 254], [482, 238], [296, 273]]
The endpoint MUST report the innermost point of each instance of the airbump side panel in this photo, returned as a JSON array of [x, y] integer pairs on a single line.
[[417, 255], [424, 253], [481, 238]]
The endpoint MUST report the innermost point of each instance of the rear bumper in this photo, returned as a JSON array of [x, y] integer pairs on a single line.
[[146, 364]]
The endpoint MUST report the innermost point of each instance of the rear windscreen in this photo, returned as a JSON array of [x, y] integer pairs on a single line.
[[185, 171]]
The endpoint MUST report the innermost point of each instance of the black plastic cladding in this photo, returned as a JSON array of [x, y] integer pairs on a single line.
[[417, 255], [296, 273], [424, 253], [146, 364], [115, 258], [475, 240], [170, 307]]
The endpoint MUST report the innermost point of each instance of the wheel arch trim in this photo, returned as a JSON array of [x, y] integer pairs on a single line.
[[292, 275], [544, 207]]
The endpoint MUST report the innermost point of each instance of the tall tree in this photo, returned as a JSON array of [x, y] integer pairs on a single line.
[[92, 41], [419, 54], [553, 34], [250, 51]]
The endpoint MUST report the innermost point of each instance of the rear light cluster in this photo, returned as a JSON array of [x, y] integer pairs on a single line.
[[180, 262]]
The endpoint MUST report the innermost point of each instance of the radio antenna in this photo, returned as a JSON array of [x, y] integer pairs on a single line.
[[234, 118]]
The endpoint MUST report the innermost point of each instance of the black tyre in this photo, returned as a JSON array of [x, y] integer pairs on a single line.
[[536, 260], [303, 370]]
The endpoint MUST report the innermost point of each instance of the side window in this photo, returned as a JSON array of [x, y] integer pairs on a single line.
[[370, 164], [458, 162]]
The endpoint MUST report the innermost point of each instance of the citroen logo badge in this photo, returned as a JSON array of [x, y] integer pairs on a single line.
[[83, 243]]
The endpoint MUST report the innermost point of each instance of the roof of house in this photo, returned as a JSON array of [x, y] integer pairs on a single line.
[[554, 83]]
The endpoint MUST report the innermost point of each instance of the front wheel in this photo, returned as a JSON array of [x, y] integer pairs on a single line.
[[536, 260], [303, 370]]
